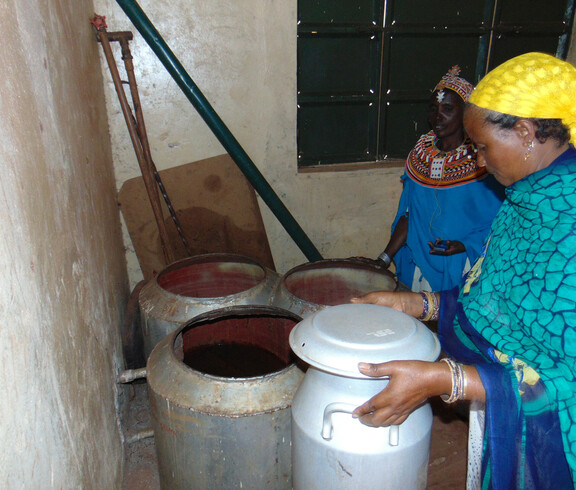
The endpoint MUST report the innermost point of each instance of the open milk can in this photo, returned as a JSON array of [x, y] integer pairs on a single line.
[[220, 391], [330, 449], [313, 286], [199, 284]]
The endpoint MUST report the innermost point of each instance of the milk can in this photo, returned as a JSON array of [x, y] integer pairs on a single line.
[[312, 286], [330, 449], [220, 388], [198, 284]]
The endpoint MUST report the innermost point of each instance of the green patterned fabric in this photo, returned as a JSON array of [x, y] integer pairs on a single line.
[[523, 302]]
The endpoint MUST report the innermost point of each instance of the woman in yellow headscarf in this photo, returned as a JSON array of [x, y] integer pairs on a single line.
[[510, 331]]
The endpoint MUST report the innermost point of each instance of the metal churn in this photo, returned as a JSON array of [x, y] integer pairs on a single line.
[[199, 284], [220, 390], [330, 449], [311, 287]]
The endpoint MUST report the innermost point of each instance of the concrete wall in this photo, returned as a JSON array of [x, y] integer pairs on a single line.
[[64, 284], [242, 56]]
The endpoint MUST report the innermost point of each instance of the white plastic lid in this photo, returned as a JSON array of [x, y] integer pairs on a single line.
[[337, 338]]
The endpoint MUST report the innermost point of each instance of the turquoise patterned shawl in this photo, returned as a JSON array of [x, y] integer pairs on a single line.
[[516, 319]]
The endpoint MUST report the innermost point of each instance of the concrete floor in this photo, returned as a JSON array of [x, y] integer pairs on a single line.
[[446, 470]]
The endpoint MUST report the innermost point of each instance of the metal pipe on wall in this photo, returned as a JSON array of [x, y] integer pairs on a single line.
[[129, 375], [138, 436], [201, 104]]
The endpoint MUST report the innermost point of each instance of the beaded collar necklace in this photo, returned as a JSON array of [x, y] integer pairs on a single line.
[[432, 167]]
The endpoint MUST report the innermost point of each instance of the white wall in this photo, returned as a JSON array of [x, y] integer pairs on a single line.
[[63, 284], [242, 56]]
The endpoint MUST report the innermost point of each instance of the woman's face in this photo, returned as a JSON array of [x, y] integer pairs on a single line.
[[445, 117], [500, 151]]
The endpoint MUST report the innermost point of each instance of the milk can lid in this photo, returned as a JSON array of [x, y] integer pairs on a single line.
[[337, 338]]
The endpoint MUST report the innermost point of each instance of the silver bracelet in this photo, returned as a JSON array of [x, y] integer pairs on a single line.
[[384, 257], [459, 381]]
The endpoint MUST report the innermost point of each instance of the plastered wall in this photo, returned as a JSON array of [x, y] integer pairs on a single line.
[[242, 56], [63, 285]]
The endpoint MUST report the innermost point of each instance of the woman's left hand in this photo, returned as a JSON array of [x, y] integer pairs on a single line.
[[376, 263], [411, 384], [451, 247], [404, 301]]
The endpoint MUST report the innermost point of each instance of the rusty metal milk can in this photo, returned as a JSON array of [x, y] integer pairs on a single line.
[[220, 388], [312, 286], [330, 449], [198, 284]]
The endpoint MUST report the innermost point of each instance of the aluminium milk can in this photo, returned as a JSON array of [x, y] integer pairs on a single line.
[[312, 286], [197, 284], [330, 449], [220, 390]]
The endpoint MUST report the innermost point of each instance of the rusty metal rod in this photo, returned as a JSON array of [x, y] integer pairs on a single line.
[[143, 135], [145, 168]]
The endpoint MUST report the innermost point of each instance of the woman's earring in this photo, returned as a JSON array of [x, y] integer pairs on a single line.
[[529, 150]]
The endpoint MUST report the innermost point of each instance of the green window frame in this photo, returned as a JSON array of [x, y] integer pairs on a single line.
[[366, 67]]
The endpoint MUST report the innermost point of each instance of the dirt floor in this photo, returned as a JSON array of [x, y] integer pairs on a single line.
[[446, 470], [140, 465]]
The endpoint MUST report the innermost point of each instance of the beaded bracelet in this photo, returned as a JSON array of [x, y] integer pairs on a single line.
[[426, 312], [431, 307]]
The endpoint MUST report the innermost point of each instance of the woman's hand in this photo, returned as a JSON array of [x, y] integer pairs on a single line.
[[411, 384], [406, 302], [446, 247], [376, 263]]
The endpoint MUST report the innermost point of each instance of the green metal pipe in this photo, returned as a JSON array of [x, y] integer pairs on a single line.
[[195, 96]]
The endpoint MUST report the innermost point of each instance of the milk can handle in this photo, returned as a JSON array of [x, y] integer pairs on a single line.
[[393, 437]]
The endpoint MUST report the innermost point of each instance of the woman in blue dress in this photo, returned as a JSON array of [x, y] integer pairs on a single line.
[[446, 197]]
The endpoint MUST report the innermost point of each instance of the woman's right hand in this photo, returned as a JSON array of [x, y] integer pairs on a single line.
[[411, 384], [406, 302]]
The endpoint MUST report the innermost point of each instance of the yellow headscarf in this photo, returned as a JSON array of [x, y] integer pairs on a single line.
[[534, 85]]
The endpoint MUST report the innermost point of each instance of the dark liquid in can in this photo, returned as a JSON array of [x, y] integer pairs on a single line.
[[233, 360]]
